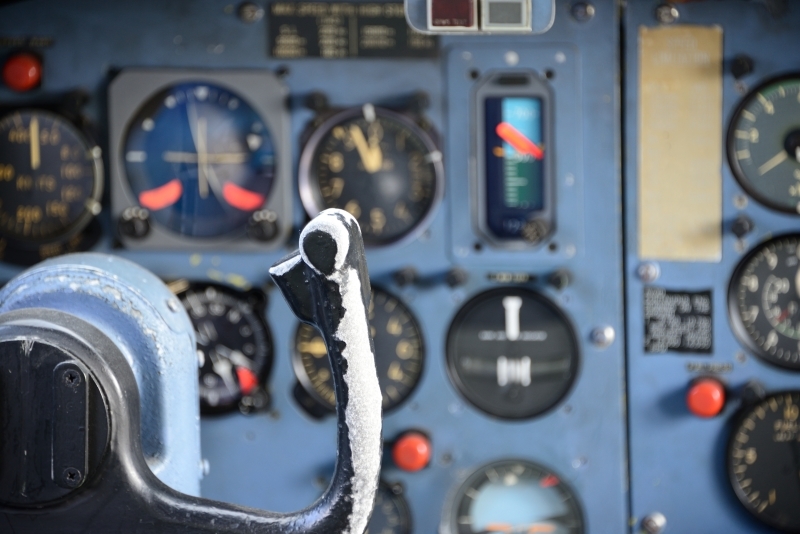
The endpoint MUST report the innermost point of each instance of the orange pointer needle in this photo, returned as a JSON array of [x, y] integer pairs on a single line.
[[516, 139], [241, 198], [163, 196]]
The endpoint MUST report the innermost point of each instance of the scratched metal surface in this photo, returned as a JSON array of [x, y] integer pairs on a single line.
[[677, 461], [274, 460]]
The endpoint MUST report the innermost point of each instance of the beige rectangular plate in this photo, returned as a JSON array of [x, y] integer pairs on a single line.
[[680, 143]]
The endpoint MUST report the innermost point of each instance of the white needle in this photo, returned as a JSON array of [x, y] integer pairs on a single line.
[[776, 160], [512, 306]]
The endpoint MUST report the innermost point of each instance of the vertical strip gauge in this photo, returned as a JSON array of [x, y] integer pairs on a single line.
[[512, 183]]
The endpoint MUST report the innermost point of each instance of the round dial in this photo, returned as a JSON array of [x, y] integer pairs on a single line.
[[512, 353], [764, 301], [50, 177], [399, 352], [200, 159], [764, 460], [234, 344], [376, 164], [515, 497], [390, 515], [764, 144]]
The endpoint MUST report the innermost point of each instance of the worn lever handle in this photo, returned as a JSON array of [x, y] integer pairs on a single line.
[[326, 284]]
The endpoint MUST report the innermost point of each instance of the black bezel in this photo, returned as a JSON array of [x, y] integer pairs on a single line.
[[730, 140]]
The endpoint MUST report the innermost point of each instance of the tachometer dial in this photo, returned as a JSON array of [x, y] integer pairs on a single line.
[[234, 344], [515, 497], [764, 460], [379, 166], [764, 143], [399, 352], [512, 353], [390, 515], [764, 301], [51, 177], [200, 159]]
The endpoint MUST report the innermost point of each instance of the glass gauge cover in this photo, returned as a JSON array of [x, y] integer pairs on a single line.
[[234, 345], [379, 166], [764, 460], [399, 353], [51, 177], [512, 353], [764, 301], [515, 497], [200, 159], [390, 515], [764, 143]]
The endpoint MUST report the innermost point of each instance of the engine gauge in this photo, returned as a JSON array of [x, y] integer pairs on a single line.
[[379, 166], [234, 345], [764, 143], [764, 460], [512, 353], [399, 352], [390, 515], [515, 497], [764, 301], [200, 159], [51, 178]]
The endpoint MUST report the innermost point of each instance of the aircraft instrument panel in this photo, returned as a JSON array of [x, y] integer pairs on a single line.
[[582, 230]]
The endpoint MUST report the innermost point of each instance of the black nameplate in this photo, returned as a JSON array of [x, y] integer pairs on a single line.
[[677, 321]]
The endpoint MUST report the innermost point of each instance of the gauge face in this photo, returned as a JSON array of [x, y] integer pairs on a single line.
[[764, 460], [764, 144], [515, 497], [50, 177], [399, 352], [512, 353], [390, 514], [377, 165], [764, 301], [200, 159], [234, 345]]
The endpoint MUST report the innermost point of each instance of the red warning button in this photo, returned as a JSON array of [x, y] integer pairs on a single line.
[[22, 72], [706, 397], [411, 451]]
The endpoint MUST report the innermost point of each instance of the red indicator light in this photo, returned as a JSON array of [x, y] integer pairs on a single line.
[[241, 198], [162, 197], [247, 380], [22, 72], [706, 398], [456, 13], [521, 144], [549, 481], [412, 451]]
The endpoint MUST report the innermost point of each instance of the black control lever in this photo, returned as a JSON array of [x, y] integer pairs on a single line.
[[66, 388]]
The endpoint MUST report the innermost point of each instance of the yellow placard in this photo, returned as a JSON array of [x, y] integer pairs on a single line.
[[680, 143]]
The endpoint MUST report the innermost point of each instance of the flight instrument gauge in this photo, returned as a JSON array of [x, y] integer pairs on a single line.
[[200, 159], [390, 515], [514, 497], [764, 143], [51, 179], [764, 301], [379, 166], [764, 460], [399, 352], [512, 353], [234, 345]]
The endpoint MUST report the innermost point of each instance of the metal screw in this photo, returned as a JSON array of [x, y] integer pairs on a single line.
[[135, 222], [72, 477], [173, 305], [740, 202], [654, 523], [648, 272], [71, 378], [667, 14], [250, 12], [582, 11], [603, 336]]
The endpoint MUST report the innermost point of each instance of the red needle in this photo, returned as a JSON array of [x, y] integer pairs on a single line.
[[247, 380], [515, 138], [163, 196], [241, 198]]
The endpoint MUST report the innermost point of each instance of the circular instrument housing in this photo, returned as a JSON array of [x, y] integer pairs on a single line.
[[512, 353], [391, 514], [764, 143], [764, 301], [379, 166], [764, 460]]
